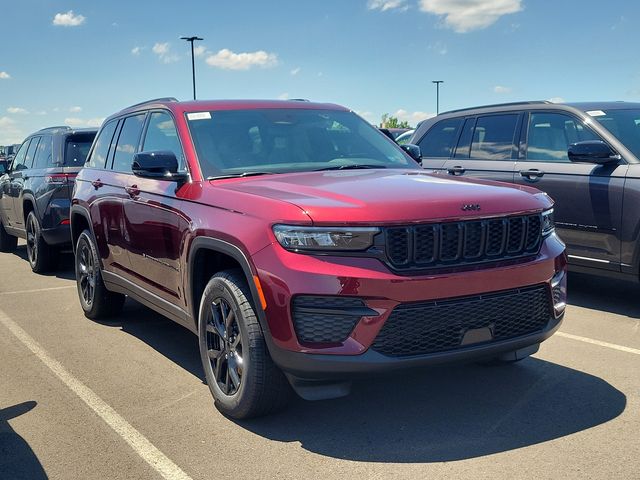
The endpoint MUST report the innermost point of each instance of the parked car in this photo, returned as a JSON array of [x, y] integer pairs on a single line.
[[393, 133], [586, 156], [4, 165], [35, 193], [304, 248], [405, 137]]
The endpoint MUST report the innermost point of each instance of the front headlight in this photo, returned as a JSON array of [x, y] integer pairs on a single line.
[[548, 224], [294, 237]]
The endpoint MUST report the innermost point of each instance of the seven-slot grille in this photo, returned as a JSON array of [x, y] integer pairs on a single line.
[[461, 243]]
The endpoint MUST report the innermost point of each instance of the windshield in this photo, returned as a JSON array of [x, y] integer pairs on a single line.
[[623, 124], [76, 149], [289, 140]]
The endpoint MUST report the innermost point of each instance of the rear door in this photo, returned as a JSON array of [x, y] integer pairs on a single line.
[[19, 175], [487, 147], [154, 225], [588, 209]]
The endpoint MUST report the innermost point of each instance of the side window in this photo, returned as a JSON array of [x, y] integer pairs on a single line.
[[162, 135], [44, 152], [28, 160], [127, 143], [464, 144], [440, 139], [493, 137], [550, 134], [98, 156], [18, 161]]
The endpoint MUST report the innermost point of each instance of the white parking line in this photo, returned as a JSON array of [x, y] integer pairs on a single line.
[[36, 290], [599, 343], [143, 447]]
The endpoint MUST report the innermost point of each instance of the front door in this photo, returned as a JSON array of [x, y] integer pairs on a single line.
[[588, 208], [7, 183]]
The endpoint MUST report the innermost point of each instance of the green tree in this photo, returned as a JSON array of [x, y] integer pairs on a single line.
[[389, 121]]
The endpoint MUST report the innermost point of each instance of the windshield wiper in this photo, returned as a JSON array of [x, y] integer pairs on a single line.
[[353, 166], [239, 175]]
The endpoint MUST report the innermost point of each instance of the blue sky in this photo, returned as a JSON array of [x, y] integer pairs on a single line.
[[75, 62]]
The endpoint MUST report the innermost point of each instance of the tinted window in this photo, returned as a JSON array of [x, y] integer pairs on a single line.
[[127, 143], [3, 166], [464, 144], [18, 161], [289, 140], [550, 134], [101, 149], [440, 139], [28, 161], [493, 137], [162, 135], [76, 149], [624, 124], [44, 152]]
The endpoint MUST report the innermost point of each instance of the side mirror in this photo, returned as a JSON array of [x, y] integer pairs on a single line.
[[592, 151], [161, 165], [413, 151]]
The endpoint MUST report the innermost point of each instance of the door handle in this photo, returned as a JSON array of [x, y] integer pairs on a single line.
[[132, 190], [532, 174], [457, 170], [97, 184]]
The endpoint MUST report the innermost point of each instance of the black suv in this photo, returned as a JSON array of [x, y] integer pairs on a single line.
[[35, 192], [586, 156]]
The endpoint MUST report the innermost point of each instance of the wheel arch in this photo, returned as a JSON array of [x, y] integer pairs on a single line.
[[80, 219], [29, 204], [216, 255]]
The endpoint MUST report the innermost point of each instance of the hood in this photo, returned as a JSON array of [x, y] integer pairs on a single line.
[[390, 196]]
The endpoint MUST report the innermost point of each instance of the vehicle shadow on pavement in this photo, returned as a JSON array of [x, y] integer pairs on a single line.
[[17, 459], [605, 294], [448, 413], [64, 268]]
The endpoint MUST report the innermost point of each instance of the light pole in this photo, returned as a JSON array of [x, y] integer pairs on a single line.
[[193, 63], [437, 82]]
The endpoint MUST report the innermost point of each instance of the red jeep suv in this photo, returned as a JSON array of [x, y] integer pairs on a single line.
[[304, 247]]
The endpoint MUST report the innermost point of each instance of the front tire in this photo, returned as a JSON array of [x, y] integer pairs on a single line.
[[241, 375], [96, 301], [39, 253], [8, 243]]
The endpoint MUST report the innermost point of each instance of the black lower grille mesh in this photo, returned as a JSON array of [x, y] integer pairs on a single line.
[[318, 319], [418, 329]]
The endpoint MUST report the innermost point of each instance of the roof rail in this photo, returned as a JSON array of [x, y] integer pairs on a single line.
[[154, 100], [57, 127], [510, 104], [298, 100]]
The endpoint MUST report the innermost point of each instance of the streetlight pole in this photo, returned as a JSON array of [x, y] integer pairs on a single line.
[[437, 82], [193, 63]]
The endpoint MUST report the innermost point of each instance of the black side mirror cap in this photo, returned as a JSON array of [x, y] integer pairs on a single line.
[[592, 151], [160, 164], [413, 151]]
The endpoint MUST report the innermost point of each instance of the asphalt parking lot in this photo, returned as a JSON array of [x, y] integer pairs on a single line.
[[125, 398]]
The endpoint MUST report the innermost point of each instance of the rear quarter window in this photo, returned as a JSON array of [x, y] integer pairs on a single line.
[[98, 156], [440, 139]]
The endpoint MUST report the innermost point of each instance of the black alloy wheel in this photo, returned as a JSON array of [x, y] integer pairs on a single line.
[[86, 274]]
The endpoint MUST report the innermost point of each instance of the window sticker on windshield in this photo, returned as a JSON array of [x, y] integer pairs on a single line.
[[199, 115], [596, 113]]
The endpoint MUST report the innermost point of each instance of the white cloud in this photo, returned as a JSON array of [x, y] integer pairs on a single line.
[[501, 89], [368, 116], [412, 117], [95, 122], [68, 19], [4, 76], [136, 50], [9, 132], [74, 122], [18, 110], [295, 71], [384, 5], [467, 15], [6, 122], [75, 109], [229, 60], [556, 100], [41, 112], [163, 50], [284, 96], [199, 50]]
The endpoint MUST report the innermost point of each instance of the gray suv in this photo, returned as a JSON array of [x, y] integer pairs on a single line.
[[586, 156]]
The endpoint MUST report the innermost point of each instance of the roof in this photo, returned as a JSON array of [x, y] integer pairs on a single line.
[[211, 105], [616, 105]]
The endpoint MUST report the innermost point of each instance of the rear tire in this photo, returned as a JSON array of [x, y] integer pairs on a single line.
[[39, 252], [96, 301], [8, 243], [241, 375]]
